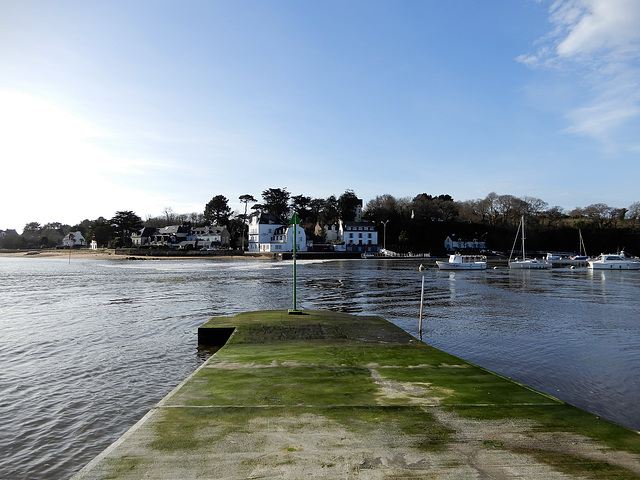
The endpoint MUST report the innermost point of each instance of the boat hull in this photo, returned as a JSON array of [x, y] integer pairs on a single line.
[[529, 265], [617, 261], [614, 266], [461, 266], [463, 262]]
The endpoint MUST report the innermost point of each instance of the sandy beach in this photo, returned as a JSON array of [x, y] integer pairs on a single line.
[[110, 254]]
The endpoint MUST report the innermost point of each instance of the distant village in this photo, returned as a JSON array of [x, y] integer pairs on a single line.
[[267, 233], [419, 224]]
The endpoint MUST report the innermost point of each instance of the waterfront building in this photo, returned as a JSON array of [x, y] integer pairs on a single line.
[[269, 233], [357, 233], [143, 237], [73, 239], [453, 244], [210, 236]]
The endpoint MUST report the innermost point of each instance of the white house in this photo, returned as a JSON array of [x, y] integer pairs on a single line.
[[282, 240], [269, 233], [170, 235], [143, 237], [210, 236], [331, 233], [461, 245], [358, 233], [74, 239]]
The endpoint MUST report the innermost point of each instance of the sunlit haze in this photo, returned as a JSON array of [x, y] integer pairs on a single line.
[[144, 105]]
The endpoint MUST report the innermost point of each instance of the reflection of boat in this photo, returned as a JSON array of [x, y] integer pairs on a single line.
[[525, 263], [464, 262], [614, 261], [383, 253]]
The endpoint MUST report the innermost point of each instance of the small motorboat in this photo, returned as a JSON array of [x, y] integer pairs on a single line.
[[463, 262]]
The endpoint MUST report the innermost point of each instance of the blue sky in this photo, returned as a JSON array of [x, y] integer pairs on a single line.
[[143, 105]]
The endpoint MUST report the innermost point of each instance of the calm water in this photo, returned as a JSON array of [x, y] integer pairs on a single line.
[[88, 347]]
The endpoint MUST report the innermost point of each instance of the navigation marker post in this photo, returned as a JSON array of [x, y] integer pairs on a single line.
[[72, 239], [295, 221], [421, 268]]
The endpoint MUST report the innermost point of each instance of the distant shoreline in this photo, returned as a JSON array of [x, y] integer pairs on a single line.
[[110, 254]]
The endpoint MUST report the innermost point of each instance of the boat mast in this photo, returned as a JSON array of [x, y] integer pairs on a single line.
[[581, 247], [524, 256]]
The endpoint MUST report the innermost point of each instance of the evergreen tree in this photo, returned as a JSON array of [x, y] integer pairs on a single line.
[[276, 200], [217, 211], [125, 223]]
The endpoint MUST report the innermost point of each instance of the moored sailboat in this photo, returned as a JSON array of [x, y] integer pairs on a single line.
[[525, 263]]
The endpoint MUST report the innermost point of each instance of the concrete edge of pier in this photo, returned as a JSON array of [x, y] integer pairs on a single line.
[[333, 395]]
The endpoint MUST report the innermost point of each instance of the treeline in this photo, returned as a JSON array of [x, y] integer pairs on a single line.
[[419, 223]]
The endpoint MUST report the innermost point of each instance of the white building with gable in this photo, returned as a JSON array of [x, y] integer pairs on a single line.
[[269, 233], [73, 239]]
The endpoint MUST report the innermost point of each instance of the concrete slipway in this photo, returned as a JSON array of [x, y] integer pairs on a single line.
[[332, 395]]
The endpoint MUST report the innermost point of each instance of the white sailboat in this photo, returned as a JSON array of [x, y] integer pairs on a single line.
[[524, 263], [568, 260]]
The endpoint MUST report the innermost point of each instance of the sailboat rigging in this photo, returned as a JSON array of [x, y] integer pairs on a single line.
[[525, 263]]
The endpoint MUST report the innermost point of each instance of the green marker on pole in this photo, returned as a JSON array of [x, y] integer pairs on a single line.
[[295, 221]]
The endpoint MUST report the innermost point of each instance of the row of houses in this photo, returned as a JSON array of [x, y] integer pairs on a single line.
[[269, 233], [453, 244], [183, 237]]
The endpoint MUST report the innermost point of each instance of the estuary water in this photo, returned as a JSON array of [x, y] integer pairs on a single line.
[[87, 347]]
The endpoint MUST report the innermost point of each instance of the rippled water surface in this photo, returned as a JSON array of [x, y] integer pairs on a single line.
[[88, 347]]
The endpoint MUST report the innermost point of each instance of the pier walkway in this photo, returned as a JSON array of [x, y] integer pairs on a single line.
[[330, 395]]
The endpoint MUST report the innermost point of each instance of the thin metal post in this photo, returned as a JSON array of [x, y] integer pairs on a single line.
[[421, 303], [295, 221], [384, 238], [295, 241]]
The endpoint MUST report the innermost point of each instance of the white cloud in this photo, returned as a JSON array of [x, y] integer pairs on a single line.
[[599, 41], [590, 27], [599, 118]]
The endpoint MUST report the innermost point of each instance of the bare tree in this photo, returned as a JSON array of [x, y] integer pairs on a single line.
[[597, 213], [634, 211]]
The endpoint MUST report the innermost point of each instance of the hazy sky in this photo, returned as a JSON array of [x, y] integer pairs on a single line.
[[146, 104]]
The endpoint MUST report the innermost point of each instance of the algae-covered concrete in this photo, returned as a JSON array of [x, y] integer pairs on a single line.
[[332, 395]]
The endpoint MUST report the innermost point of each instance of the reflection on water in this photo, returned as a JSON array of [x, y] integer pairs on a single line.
[[88, 347]]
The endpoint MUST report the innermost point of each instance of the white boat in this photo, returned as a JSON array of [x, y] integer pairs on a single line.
[[566, 260], [463, 262], [525, 263], [614, 261]]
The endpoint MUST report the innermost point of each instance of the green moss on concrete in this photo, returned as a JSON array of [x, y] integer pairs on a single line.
[[121, 467], [304, 385], [332, 379], [415, 422], [561, 418], [335, 352], [585, 468], [467, 384], [272, 327], [193, 429]]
